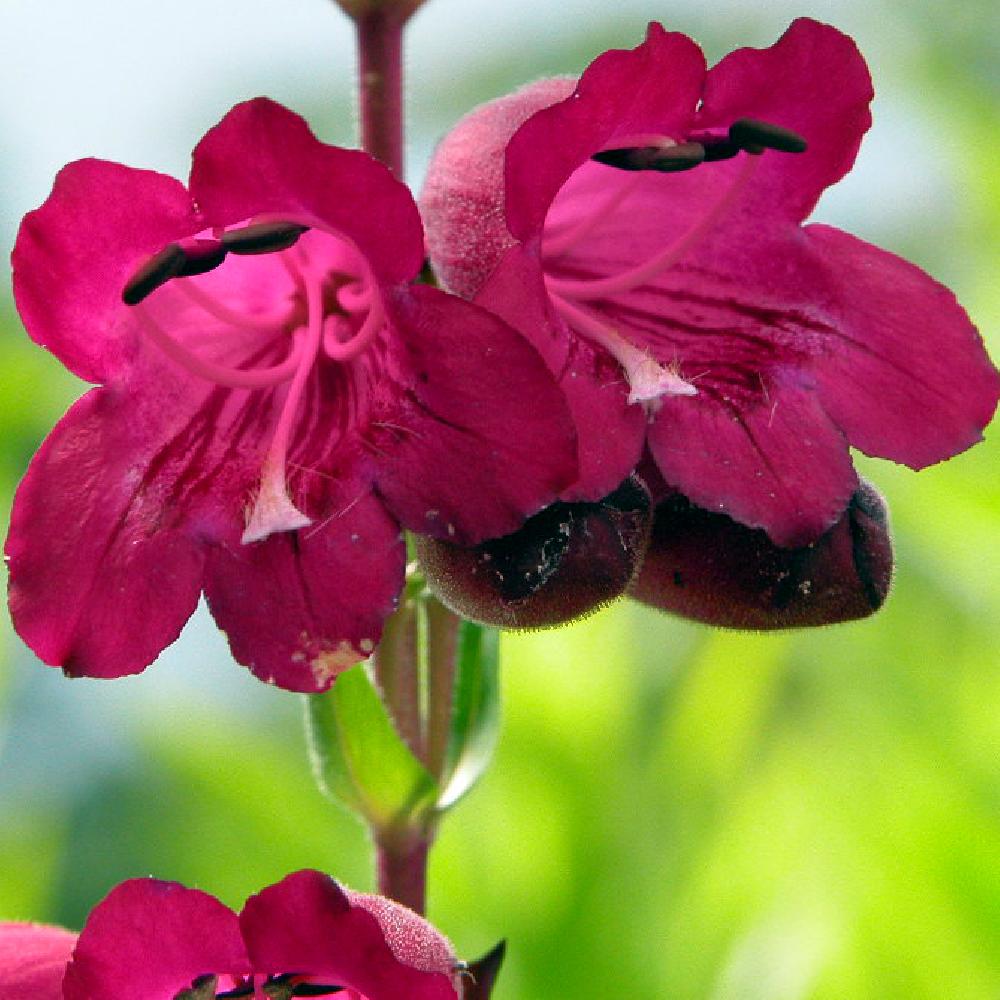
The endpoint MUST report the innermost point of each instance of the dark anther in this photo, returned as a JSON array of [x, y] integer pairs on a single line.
[[756, 136], [240, 991], [664, 159], [262, 237], [201, 256], [202, 988], [158, 270], [719, 149], [284, 987]]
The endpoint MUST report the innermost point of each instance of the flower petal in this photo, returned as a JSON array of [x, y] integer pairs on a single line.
[[482, 438], [908, 378], [651, 88], [262, 158], [812, 80], [781, 466], [309, 925], [75, 253], [33, 961], [610, 432], [300, 607], [102, 575], [148, 940]]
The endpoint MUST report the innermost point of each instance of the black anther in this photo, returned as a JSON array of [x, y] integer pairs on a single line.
[[202, 988], [236, 994], [262, 237], [663, 159], [158, 270], [719, 149], [749, 132], [201, 256]]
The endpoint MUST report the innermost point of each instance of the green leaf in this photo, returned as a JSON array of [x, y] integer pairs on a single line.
[[475, 720], [360, 759]]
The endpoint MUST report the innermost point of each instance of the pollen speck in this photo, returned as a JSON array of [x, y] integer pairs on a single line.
[[326, 666]]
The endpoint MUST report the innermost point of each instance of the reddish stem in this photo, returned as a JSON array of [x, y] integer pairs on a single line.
[[402, 870], [380, 85]]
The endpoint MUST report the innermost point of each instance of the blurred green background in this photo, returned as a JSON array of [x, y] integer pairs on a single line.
[[675, 812]]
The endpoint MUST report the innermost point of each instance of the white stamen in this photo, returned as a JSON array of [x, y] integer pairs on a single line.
[[648, 380], [273, 509]]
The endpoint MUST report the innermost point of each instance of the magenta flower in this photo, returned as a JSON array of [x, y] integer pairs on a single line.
[[643, 225], [276, 399], [33, 961], [305, 936]]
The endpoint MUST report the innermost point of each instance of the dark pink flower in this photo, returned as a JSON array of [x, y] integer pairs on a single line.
[[153, 940], [33, 961], [276, 399], [643, 225]]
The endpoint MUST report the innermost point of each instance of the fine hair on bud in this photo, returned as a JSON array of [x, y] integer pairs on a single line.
[[707, 567], [567, 561]]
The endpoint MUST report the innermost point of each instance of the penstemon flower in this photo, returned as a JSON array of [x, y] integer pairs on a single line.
[[306, 936], [276, 399], [643, 225]]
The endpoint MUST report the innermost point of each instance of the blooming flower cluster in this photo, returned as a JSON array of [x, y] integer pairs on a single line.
[[629, 285], [629, 365]]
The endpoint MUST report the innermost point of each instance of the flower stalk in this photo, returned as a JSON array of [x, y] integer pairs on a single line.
[[401, 868], [380, 84]]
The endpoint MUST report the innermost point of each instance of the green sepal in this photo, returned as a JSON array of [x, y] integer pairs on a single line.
[[360, 760], [475, 716]]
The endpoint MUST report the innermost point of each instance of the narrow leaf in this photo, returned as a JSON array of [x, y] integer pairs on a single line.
[[475, 724], [359, 757]]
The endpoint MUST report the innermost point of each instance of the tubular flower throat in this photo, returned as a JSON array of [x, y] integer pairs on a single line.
[[643, 226], [277, 399]]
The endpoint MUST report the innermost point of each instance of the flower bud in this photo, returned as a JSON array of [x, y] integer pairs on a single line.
[[709, 568], [566, 561]]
